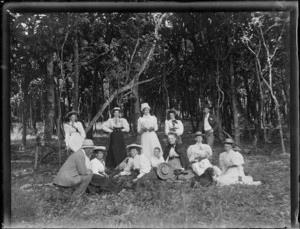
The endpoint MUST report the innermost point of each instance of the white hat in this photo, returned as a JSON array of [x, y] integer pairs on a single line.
[[134, 146], [75, 142], [144, 105], [88, 143], [116, 109], [103, 148]]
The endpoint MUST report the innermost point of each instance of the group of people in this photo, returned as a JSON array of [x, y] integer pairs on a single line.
[[146, 161]]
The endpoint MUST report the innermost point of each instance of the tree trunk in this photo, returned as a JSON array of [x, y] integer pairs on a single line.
[[234, 103], [136, 108], [49, 103], [76, 75], [25, 85], [95, 89]]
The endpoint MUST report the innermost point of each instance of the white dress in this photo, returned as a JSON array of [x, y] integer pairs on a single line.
[[72, 130], [231, 166], [149, 140]]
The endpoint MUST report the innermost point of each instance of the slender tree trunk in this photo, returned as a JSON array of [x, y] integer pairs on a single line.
[[94, 100], [76, 75], [49, 103], [234, 103], [136, 108], [25, 85]]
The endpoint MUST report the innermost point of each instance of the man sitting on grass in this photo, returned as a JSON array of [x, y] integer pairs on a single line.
[[75, 175]]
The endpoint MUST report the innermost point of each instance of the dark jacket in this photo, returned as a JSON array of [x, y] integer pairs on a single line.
[[213, 122], [180, 149]]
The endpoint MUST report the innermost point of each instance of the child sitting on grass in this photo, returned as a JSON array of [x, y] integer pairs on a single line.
[[157, 158]]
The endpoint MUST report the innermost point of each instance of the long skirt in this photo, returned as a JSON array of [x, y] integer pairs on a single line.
[[117, 150], [149, 141], [103, 183]]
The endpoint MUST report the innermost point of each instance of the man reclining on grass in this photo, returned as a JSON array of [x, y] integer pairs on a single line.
[[75, 175]]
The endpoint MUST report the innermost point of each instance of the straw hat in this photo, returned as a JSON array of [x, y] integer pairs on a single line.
[[116, 109], [228, 141], [75, 142], [134, 146], [144, 105], [165, 171], [198, 133], [99, 148], [71, 113], [88, 143]]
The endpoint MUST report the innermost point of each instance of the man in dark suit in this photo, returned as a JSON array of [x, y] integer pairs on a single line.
[[209, 125], [75, 175]]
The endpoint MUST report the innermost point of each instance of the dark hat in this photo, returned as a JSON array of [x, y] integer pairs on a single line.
[[71, 113], [206, 106], [198, 133], [165, 171], [228, 141]]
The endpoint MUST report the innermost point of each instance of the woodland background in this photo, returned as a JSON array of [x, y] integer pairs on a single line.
[[238, 62], [90, 62]]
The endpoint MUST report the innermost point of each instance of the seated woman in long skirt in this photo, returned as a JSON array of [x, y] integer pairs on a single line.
[[231, 164], [138, 165], [100, 180]]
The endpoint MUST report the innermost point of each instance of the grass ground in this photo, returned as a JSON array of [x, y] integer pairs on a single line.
[[157, 204]]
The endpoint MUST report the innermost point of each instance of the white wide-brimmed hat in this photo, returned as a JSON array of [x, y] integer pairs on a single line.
[[71, 113], [88, 143], [144, 105], [98, 148], [165, 171], [116, 109], [228, 141], [75, 142], [134, 146], [198, 133]]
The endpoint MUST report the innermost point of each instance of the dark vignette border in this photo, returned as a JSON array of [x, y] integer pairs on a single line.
[[50, 7]]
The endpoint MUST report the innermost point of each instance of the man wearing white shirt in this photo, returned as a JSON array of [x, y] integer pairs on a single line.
[[209, 125]]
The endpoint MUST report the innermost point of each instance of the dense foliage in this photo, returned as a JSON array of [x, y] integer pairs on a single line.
[[235, 61]]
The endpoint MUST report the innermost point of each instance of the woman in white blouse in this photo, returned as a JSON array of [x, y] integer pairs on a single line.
[[138, 165], [173, 125], [100, 180], [74, 132], [231, 163], [116, 126], [147, 125]]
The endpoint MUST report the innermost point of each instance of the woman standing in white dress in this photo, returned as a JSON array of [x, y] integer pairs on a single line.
[[147, 125], [74, 132]]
